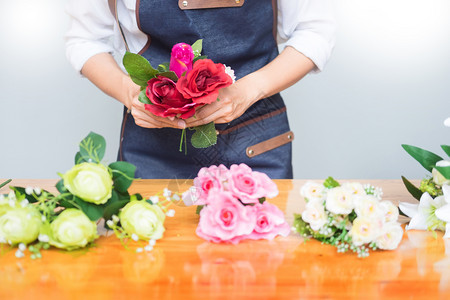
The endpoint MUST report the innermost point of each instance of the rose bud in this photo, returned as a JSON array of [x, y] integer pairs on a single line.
[[89, 181], [143, 219], [181, 59], [71, 230]]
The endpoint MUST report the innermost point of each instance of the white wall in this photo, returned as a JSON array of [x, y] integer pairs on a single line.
[[386, 84]]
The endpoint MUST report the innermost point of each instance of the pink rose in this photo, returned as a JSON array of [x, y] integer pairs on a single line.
[[181, 59], [166, 100], [270, 222], [249, 186], [210, 178], [225, 219]]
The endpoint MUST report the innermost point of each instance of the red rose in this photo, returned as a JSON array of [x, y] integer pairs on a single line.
[[167, 101], [203, 82]]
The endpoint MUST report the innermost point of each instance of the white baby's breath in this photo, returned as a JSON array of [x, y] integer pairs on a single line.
[[230, 72]]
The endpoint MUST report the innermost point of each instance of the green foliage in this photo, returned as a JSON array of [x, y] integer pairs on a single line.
[[123, 175], [92, 148], [446, 149], [169, 74], [330, 183], [199, 209], [412, 189], [143, 98], [445, 171], [139, 68], [5, 183], [204, 136], [197, 47], [426, 158]]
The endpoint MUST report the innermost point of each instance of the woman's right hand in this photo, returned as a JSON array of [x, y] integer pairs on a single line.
[[144, 118]]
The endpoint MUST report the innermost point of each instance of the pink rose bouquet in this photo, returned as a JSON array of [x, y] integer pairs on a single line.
[[177, 88], [232, 205]]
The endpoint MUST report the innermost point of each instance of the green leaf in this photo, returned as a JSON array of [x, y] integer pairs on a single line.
[[426, 158], [446, 149], [445, 171], [79, 158], [330, 183], [199, 209], [123, 175], [204, 136], [169, 74], [114, 208], [143, 98], [60, 186], [139, 68], [92, 147], [412, 189], [93, 211], [197, 47], [199, 57], [164, 67]]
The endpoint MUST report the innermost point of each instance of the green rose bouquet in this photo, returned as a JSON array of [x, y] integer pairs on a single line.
[[35, 219]]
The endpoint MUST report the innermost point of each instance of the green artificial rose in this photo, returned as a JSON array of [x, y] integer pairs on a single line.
[[89, 181], [19, 224], [71, 230], [143, 219]]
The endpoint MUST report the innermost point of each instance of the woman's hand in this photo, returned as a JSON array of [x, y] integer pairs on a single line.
[[144, 118], [232, 102]]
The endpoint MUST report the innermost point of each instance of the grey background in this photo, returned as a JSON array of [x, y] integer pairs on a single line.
[[386, 84]]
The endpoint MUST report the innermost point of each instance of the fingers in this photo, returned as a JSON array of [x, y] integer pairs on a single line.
[[146, 119]]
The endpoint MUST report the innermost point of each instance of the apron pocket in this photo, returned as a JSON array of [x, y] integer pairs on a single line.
[[270, 144]]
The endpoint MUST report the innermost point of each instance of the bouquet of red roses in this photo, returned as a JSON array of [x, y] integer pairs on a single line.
[[177, 88]]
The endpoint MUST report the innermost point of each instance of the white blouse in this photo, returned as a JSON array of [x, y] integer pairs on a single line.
[[306, 25]]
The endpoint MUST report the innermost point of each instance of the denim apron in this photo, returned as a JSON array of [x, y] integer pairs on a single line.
[[240, 37]]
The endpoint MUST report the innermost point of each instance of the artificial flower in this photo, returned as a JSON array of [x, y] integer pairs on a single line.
[[143, 219], [349, 216], [364, 230], [314, 214], [19, 223], [312, 190], [443, 212], [447, 122], [391, 236], [225, 219], [181, 58], [166, 100], [203, 82], [71, 230], [90, 181], [340, 200], [270, 222], [423, 215], [249, 186], [438, 178]]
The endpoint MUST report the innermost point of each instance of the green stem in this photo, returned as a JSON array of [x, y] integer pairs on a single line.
[[183, 133], [5, 183]]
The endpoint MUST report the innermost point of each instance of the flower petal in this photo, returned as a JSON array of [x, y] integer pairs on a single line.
[[443, 213], [446, 190], [425, 201], [409, 209], [447, 232], [419, 221]]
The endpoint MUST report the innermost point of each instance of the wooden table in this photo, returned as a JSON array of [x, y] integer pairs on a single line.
[[183, 266]]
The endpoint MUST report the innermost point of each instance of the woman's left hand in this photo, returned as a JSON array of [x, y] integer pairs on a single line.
[[232, 102]]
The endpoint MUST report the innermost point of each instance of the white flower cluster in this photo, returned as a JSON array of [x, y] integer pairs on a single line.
[[430, 214], [351, 217]]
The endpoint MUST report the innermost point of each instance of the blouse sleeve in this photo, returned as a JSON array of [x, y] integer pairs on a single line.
[[91, 27], [309, 27]]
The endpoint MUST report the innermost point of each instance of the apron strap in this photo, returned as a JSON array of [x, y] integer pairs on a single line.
[[113, 8]]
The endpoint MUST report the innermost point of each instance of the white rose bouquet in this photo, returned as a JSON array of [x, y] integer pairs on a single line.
[[349, 216], [35, 219]]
